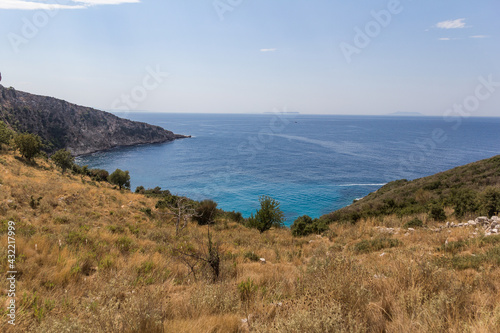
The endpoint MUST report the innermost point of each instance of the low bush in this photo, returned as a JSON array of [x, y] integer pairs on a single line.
[[305, 225], [415, 223]]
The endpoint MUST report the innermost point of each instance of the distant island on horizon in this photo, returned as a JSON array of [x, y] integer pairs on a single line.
[[406, 114]]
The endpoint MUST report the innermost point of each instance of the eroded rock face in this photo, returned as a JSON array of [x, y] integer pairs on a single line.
[[79, 129]]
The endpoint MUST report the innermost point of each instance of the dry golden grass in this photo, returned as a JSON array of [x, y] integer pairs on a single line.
[[89, 260]]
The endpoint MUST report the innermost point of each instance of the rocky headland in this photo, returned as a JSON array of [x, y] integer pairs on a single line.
[[81, 130]]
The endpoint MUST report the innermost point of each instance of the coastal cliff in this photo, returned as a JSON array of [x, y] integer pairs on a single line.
[[81, 130]]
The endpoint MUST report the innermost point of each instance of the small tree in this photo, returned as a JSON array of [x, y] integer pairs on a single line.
[[205, 212], [63, 159], [120, 178], [269, 215], [29, 145], [5, 133]]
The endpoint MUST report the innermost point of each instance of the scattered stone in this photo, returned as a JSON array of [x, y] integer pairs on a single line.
[[411, 229], [262, 261], [482, 220], [490, 226]]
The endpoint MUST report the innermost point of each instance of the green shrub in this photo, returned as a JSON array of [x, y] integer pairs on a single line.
[[235, 216], [63, 159], [250, 255], [415, 223], [29, 145], [206, 212], [269, 215], [154, 192], [464, 201], [491, 201], [437, 213], [6, 134], [99, 175], [147, 211], [305, 225]]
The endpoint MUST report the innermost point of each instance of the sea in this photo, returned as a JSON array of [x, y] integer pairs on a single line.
[[311, 164]]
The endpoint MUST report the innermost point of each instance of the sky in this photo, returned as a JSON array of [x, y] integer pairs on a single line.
[[240, 56]]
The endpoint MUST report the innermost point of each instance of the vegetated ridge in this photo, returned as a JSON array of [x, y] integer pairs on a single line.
[[79, 129], [467, 189]]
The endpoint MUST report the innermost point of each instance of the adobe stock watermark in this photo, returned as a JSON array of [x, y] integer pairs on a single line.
[[224, 6], [371, 30], [152, 80], [483, 91], [32, 25], [425, 147]]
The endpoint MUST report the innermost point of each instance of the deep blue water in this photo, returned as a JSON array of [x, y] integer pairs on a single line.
[[311, 164]]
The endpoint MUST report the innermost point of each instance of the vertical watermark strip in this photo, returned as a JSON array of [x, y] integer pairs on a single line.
[[11, 273]]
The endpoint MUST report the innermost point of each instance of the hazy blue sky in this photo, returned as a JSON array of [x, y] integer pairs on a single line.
[[319, 56]]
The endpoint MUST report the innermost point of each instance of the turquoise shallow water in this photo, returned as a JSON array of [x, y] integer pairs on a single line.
[[311, 164]]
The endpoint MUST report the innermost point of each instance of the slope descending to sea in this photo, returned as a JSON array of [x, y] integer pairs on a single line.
[[91, 258], [81, 130]]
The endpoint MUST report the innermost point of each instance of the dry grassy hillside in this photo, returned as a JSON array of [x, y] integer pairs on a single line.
[[93, 259]]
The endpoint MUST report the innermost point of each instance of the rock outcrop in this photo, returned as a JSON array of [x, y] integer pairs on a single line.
[[79, 129], [490, 226]]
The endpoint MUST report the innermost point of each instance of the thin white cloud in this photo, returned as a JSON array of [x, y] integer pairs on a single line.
[[30, 5], [452, 24], [268, 50], [448, 38], [105, 2], [56, 4], [479, 36]]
